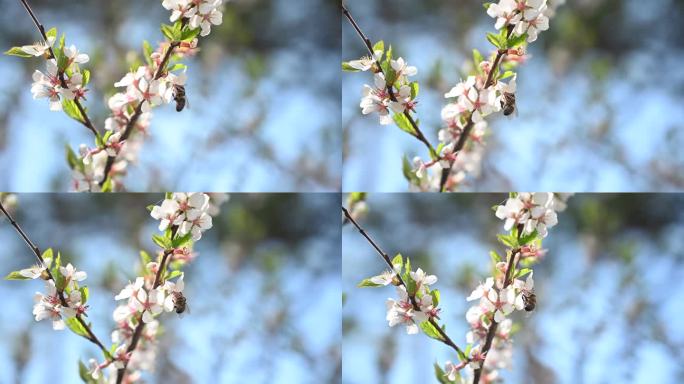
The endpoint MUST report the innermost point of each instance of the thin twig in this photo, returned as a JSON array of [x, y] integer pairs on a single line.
[[469, 124], [445, 338], [86, 120], [138, 110], [36, 251], [511, 264], [369, 45], [121, 372]]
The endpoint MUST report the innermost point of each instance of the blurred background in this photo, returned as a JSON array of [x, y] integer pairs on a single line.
[[599, 101], [609, 291], [252, 317], [263, 92]]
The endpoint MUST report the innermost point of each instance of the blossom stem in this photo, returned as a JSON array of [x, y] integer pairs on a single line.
[[138, 109], [469, 125], [417, 133], [86, 119], [444, 336], [60, 293], [121, 372], [511, 263]]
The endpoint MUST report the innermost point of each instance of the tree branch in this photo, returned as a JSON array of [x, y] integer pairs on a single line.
[[511, 264], [469, 124], [445, 338], [121, 372], [369, 45], [86, 120], [138, 110], [91, 335]]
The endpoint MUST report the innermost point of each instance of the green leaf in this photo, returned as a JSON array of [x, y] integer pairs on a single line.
[[173, 274], [398, 260], [73, 160], [107, 185], [506, 75], [508, 240], [86, 77], [168, 32], [435, 297], [515, 41], [523, 272], [365, 283], [477, 58], [15, 275], [495, 40], [407, 170], [69, 107], [403, 123], [348, 68], [177, 30], [181, 241], [487, 5], [85, 374], [16, 51], [145, 258], [440, 375], [62, 60], [76, 327], [189, 34], [379, 46], [178, 66], [85, 294], [414, 89], [162, 242], [150, 207], [52, 32], [430, 330], [494, 256], [526, 239], [47, 257]]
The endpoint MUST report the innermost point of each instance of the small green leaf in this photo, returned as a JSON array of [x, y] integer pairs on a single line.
[[173, 274], [495, 40], [414, 89], [407, 170], [162, 242], [52, 32], [145, 258], [85, 374], [487, 5], [379, 46], [178, 66], [85, 294], [15, 275], [150, 207], [365, 283], [507, 240], [168, 32], [435, 297], [86, 77], [430, 330], [403, 123], [440, 375], [477, 58], [515, 41], [107, 185], [348, 68], [70, 108], [76, 327], [506, 75], [181, 241], [47, 257], [189, 34], [494, 256], [398, 260], [526, 239], [523, 272], [16, 51]]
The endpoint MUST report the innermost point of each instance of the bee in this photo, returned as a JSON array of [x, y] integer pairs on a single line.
[[179, 97], [508, 103], [180, 303], [530, 300]]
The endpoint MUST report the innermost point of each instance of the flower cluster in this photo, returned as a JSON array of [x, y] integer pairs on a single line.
[[525, 17], [63, 80], [63, 298], [416, 304], [187, 211], [527, 217], [159, 81], [392, 91], [199, 13]]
